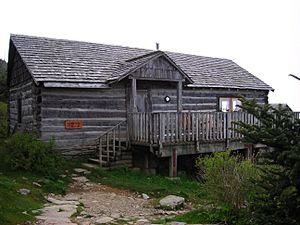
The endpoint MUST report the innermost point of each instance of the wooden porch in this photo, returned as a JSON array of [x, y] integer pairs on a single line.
[[174, 128], [170, 134], [187, 132]]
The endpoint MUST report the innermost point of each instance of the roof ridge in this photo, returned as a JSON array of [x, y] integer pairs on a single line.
[[188, 54], [113, 45], [143, 56]]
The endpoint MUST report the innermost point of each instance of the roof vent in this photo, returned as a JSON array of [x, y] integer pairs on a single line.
[[157, 46]]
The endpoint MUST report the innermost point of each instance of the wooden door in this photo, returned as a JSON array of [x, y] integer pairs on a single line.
[[143, 101]]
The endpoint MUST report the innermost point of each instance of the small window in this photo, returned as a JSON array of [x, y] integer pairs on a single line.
[[229, 104], [19, 105]]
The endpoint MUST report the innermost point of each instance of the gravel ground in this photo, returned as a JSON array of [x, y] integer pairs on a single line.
[[104, 204]]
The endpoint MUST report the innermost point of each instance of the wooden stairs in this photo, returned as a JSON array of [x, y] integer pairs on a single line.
[[113, 148]]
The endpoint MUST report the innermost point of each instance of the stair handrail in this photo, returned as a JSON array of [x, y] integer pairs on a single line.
[[106, 135]]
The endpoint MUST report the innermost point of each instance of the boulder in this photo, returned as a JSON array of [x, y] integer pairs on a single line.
[[80, 170], [62, 202], [24, 191], [80, 179], [145, 196], [172, 201], [104, 220]]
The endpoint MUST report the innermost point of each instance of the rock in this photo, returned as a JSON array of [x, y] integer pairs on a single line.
[[36, 184], [24, 191], [178, 223], [104, 219], [80, 179], [57, 214], [60, 202], [145, 196], [115, 215], [71, 198], [87, 172], [85, 223], [172, 201], [63, 175], [142, 221], [80, 170], [36, 211]]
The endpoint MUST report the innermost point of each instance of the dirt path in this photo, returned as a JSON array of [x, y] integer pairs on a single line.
[[100, 204]]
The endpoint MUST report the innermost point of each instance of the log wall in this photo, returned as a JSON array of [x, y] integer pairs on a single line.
[[207, 99], [22, 87], [98, 109], [195, 99]]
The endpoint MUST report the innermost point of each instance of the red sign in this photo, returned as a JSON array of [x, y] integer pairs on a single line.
[[73, 124]]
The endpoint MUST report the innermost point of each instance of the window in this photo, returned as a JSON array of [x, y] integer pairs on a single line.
[[19, 105], [229, 104]]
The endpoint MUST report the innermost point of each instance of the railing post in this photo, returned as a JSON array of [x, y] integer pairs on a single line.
[[107, 147], [227, 130], [114, 143], [150, 121], [100, 152]]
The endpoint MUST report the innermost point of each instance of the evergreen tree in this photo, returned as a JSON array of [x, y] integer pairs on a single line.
[[3, 84], [277, 198]]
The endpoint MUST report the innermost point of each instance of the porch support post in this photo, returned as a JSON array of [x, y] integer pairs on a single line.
[[173, 163], [133, 94], [179, 96], [249, 151]]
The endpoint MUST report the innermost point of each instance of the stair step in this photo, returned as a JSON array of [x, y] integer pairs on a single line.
[[116, 147], [115, 164], [89, 165], [97, 161]]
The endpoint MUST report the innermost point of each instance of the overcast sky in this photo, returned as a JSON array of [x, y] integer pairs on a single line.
[[262, 36]]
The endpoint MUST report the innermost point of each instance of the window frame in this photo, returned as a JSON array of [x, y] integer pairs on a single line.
[[230, 100]]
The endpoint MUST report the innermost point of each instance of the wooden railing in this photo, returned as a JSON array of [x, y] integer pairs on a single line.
[[109, 143], [173, 127], [169, 127]]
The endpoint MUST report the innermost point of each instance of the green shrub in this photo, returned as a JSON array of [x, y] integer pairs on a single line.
[[227, 178], [3, 120], [24, 152]]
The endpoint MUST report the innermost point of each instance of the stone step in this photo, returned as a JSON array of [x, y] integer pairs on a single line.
[[115, 164], [89, 165]]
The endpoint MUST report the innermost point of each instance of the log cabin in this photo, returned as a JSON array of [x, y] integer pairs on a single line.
[[126, 105]]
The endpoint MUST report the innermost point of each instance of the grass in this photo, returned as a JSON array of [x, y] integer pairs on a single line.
[[209, 215], [16, 208], [79, 209], [154, 186], [200, 215]]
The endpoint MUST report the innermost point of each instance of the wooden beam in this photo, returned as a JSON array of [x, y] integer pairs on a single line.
[[133, 95], [179, 96], [173, 163]]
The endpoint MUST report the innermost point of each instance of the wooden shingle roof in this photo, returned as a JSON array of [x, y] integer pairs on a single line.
[[65, 61]]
